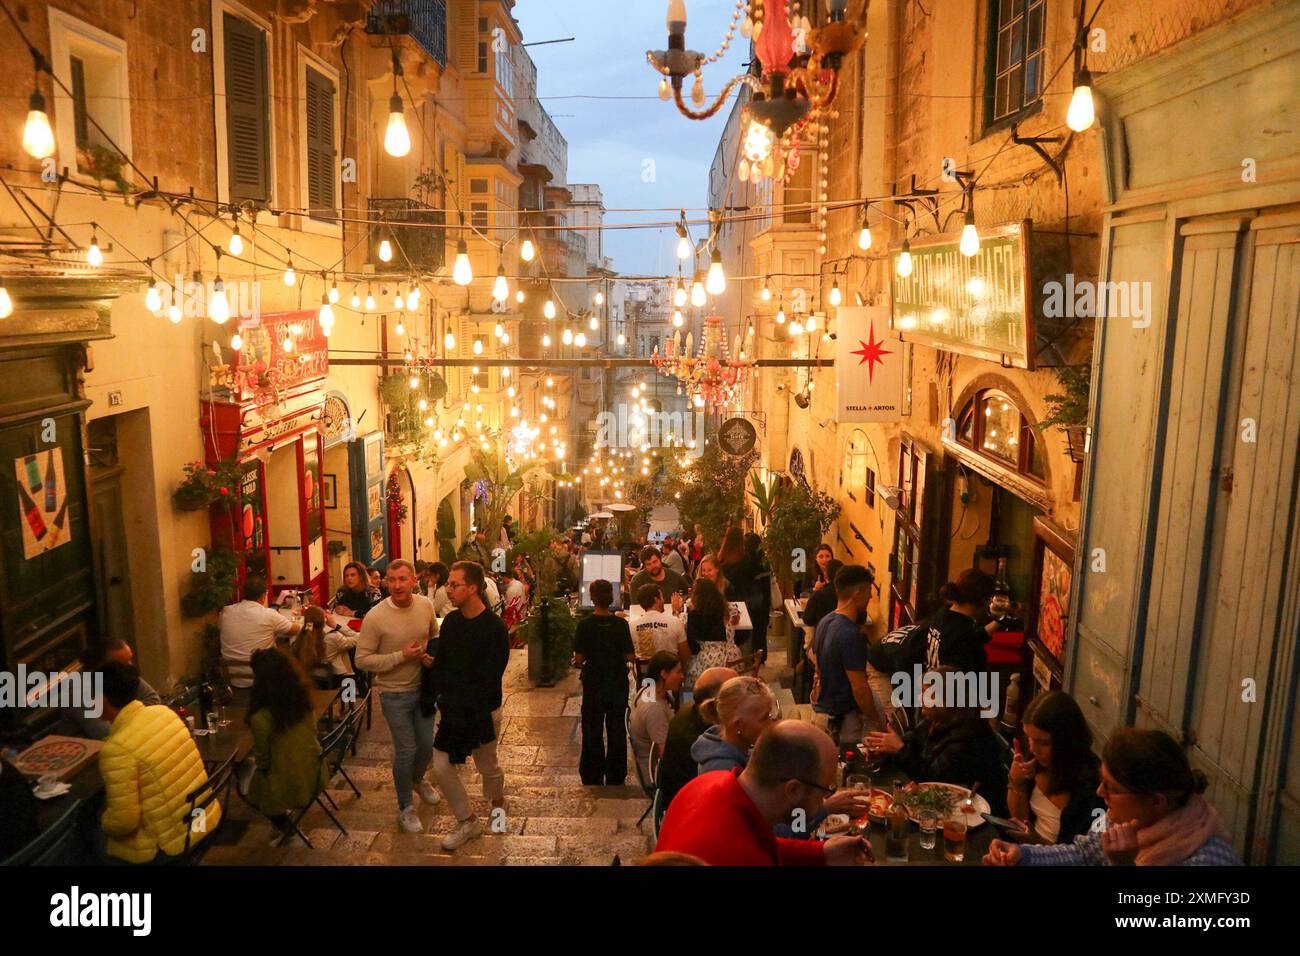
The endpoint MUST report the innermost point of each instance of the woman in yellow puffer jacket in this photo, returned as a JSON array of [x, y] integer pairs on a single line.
[[149, 764]]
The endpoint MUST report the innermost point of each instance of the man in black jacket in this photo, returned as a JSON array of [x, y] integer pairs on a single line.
[[473, 650], [677, 768]]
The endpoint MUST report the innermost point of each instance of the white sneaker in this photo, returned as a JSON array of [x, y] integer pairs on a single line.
[[409, 820], [427, 793], [465, 831]]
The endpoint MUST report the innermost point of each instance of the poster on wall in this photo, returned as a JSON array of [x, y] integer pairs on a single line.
[[1053, 603], [375, 502], [42, 502], [377, 544], [868, 366]]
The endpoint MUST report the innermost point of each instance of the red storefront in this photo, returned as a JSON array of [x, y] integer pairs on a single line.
[[265, 415]]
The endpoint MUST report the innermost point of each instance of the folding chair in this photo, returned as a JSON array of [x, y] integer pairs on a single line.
[[333, 746], [198, 802], [335, 765]]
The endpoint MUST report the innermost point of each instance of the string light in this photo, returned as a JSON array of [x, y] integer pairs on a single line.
[[94, 255], [290, 278], [236, 243], [236, 342], [970, 237], [1082, 112], [449, 341], [385, 251], [717, 280], [153, 298], [397, 140], [218, 305], [766, 293], [679, 294], [462, 273], [519, 296], [38, 137], [905, 260], [548, 309], [527, 251], [500, 287], [698, 294], [6, 303], [836, 296]]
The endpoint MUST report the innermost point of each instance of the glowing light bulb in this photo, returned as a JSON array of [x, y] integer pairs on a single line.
[[864, 238], [679, 295], [593, 323], [580, 340], [678, 319], [546, 340], [567, 337], [236, 244], [218, 306], [38, 138], [905, 260], [174, 313], [1082, 112], [527, 251], [970, 237], [355, 301], [478, 346], [385, 251], [449, 341], [290, 277], [333, 295], [665, 91], [684, 248], [780, 315], [326, 314], [698, 294], [370, 302], [397, 140], [811, 323], [766, 293], [94, 255], [717, 280], [236, 342], [462, 272], [6, 303], [401, 327], [622, 339], [600, 298], [519, 296], [836, 296], [548, 309], [500, 287], [153, 298], [499, 331]]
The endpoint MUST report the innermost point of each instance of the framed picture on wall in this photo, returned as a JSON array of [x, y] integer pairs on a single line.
[[329, 488], [374, 458], [1049, 610], [375, 502]]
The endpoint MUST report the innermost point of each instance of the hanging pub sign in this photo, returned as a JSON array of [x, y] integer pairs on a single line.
[[737, 436], [868, 366], [974, 305], [280, 352]]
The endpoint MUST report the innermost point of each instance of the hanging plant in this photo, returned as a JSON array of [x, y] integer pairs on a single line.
[[396, 502], [1068, 410], [203, 486], [214, 587]]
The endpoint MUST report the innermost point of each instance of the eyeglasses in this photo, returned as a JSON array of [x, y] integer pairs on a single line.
[[816, 786], [1113, 792]]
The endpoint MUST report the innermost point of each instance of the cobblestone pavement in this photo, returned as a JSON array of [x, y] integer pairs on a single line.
[[552, 819]]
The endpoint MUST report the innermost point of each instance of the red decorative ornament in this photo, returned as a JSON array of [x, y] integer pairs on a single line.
[[775, 45]]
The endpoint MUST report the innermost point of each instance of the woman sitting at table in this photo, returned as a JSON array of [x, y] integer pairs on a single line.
[[742, 709], [822, 559], [1054, 787], [823, 600], [707, 633], [358, 595], [950, 744], [1155, 816], [324, 654], [288, 769]]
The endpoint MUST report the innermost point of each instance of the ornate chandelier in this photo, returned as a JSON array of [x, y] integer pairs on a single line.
[[795, 83], [714, 374]]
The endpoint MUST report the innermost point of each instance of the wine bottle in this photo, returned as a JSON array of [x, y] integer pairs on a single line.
[[33, 473], [32, 513], [1011, 709], [51, 485]]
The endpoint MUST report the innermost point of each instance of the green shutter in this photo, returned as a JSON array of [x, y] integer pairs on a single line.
[[320, 144], [248, 112]]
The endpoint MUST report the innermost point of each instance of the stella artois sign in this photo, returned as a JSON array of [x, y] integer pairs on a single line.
[[868, 366]]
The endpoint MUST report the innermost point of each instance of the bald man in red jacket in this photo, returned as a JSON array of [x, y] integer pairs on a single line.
[[726, 817]]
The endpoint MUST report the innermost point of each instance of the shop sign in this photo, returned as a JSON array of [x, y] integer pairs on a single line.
[[737, 436], [977, 305], [868, 367], [264, 370]]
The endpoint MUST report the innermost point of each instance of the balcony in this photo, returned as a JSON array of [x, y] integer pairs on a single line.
[[416, 247], [425, 21]]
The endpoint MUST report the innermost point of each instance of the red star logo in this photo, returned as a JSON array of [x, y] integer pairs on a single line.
[[872, 353]]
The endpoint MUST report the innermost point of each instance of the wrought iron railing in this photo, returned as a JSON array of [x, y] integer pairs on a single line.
[[406, 224], [423, 20]]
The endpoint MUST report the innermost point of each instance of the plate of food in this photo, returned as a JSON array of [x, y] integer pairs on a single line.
[[881, 801], [837, 823], [946, 799]]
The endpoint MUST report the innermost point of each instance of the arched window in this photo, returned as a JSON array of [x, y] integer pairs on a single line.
[[992, 425]]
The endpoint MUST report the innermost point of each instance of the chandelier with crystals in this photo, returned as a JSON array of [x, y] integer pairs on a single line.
[[795, 82], [712, 375]]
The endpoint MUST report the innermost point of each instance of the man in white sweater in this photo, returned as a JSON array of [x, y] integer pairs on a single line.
[[393, 647]]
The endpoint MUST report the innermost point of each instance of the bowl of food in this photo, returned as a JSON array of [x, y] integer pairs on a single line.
[[881, 801]]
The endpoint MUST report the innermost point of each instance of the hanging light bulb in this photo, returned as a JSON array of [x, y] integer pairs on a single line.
[[600, 297], [548, 309], [218, 306], [370, 301], [766, 293], [567, 336], [449, 341], [678, 319], [326, 314], [505, 338], [397, 141], [500, 287], [679, 294], [478, 346], [355, 301], [527, 251], [519, 296], [412, 300], [864, 237], [153, 298], [622, 339], [593, 323], [401, 327], [236, 243], [414, 382], [970, 237], [174, 313], [462, 272], [796, 328], [385, 251], [780, 314], [236, 342], [333, 294], [94, 255], [698, 294], [811, 323], [836, 296], [580, 340], [399, 301], [505, 371], [1082, 112], [717, 280], [290, 278], [38, 138], [684, 248], [499, 331], [546, 340], [665, 91], [905, 260], [6, 303]]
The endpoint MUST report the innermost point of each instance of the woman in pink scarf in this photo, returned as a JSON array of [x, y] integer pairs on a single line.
[[1155, 814]]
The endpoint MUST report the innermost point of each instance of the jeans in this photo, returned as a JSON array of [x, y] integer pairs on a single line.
[[601, 763], [412, 734], [447, 777]]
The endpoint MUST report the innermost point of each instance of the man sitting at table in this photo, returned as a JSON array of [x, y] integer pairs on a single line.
[[726, 817], [250, 626], [75, 723], [843, 703], [150, 765], [654, 629], [653, 572]]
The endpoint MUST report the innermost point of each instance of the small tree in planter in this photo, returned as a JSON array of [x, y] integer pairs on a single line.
[[1068, 410], [548, 660], [710, 491], [798, 520]]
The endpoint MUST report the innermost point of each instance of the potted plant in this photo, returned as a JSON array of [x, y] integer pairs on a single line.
[[799, 518], [203, 486], [710, 491], [214, 587], [549, 627], [1068, 409]]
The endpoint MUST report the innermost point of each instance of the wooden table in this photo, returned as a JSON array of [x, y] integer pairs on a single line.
[[236, 739]]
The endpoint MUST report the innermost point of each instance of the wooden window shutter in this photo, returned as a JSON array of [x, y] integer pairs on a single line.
[[320, 144], [248, 113]]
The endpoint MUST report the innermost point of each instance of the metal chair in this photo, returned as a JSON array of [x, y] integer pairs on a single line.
[[333, 747], [648, 787], [199, 801]]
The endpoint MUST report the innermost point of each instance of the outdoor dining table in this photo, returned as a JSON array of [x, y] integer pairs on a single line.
[[236, 738]]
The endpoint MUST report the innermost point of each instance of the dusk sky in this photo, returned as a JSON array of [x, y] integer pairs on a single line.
[[610, 139]]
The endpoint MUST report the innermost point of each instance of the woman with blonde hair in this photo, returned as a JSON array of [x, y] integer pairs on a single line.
[[742, 710]]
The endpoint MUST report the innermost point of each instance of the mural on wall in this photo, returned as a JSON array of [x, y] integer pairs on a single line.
[[42, 502]]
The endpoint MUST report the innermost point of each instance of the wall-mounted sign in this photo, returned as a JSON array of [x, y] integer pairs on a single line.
[[868, 366], [42, 502], [737, 436], [974, 306], [264, 369]]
